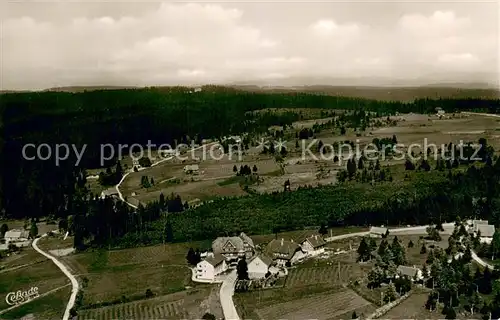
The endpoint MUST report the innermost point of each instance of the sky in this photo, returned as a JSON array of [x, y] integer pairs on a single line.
[[61, 43]]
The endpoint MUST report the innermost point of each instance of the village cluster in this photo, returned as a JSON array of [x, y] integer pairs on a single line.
[[278, 254], [261, 262]]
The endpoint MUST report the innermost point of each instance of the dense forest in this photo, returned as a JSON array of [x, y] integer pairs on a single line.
[[37, 188]]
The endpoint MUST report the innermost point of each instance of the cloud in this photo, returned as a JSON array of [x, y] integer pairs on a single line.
[[192, 42]]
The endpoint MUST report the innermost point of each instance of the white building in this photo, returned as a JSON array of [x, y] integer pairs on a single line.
[[210, 267], [111, 192], [258, 266], [473, 224], [169, 153], [313, 245], [486, 232], [192, 168], [377, 232], [16, 235], [413, 273]]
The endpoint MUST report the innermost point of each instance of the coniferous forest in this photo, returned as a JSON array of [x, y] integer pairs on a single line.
[[36, 188]]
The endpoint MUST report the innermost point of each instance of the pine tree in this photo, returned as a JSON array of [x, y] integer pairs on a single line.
[[423, 250], [242, 269], [191, 257], [364, 253]]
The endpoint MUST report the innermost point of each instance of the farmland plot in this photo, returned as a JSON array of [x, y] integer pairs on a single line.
[[137, 310], [334, 274], [320, 307]]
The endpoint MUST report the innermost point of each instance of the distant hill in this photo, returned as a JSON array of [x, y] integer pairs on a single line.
[[88, 88], [387, 92]]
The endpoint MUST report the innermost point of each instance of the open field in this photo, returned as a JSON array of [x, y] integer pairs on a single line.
[[413, 308], [310, 303], [130, 272], [55, 242], [27, 256], [44, 275], [331, 274], [190, 304], [51, 306], [306, 289], [216, 175]]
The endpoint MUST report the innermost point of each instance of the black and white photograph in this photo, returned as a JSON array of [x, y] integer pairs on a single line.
[[249, 160]]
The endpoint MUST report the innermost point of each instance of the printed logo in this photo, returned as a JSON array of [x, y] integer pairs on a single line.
[[18, 297]]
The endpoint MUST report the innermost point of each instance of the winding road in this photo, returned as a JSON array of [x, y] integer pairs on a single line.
[[74, 283]]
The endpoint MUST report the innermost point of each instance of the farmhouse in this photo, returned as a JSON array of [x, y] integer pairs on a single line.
[[377, 232], [474, 224], [210, 267], [233, 248], [110, 192], [313, 245], [284, 251], [15, 235], [169, 153], [413, 273], [486, 232], [258, 266], [440, 112], [192, 169]]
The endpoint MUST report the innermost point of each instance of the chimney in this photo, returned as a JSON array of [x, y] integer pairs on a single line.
[[282, 241]]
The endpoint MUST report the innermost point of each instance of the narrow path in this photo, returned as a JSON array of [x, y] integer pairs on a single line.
[[481, 261], [74, 282], [226, 297], [482, 114]]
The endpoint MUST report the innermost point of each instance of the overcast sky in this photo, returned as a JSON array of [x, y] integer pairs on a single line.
[[49, 44]]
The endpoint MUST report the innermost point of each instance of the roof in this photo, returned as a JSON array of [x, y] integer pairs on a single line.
[[282, 247], [486, 230], [16, 233], [264, 258], [215, 260], [378, 230], [408, 271], [191, 167], [223, 244], [316, 241], [109, 192], [247, 239]]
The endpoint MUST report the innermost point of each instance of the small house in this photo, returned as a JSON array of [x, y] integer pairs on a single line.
[[210, 267], [313, 245], [412, 273], [377, 232], [16, 235], [191, 169], [110, 192], [283, 251], [440, 112], [473, 225], [168, 153], [486, 232], [259, 266]]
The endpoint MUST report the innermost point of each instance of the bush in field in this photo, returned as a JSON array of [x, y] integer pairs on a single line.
[[149, 293], [208, 316]]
